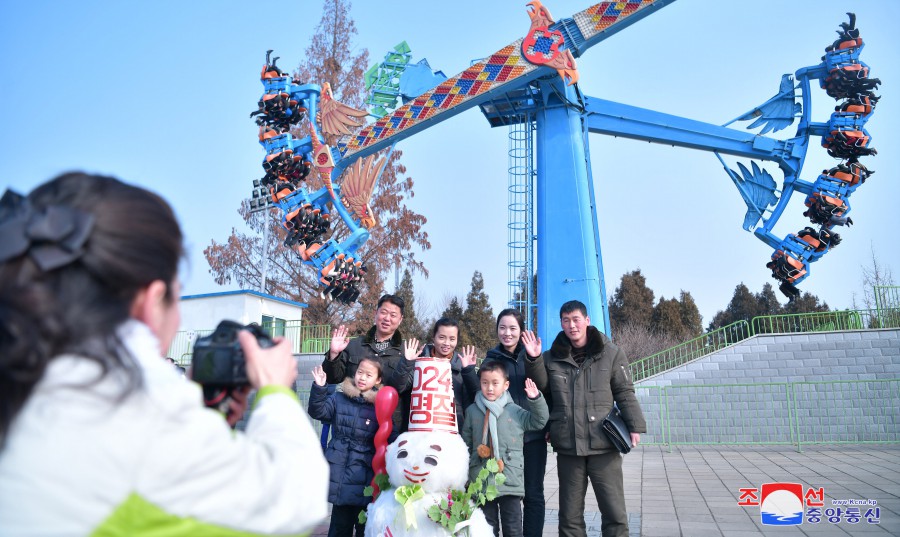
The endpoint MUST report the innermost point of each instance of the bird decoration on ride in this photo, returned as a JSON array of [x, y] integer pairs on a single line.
[[322, 160], [845, 78], [334, 116], [541, 45], [357, 185]]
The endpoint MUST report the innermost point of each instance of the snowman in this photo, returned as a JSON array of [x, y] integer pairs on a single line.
[[425, 465]]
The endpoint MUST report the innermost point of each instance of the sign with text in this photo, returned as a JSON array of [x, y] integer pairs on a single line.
[[432, 405]]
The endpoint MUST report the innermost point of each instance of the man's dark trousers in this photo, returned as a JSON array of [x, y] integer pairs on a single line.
[[605, 473]]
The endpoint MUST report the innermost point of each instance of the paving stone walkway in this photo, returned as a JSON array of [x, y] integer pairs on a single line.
[[694, 491]]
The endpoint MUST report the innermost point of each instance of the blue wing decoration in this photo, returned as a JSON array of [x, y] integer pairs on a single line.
[[776, 113], [758, 190]]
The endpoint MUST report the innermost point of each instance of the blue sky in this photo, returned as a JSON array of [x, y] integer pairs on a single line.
[[158, 93]]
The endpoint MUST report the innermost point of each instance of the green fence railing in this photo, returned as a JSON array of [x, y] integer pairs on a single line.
[[887, 302], [314, 338], [765, 413], [736, 332], [183, 345], [302, 394], [777, 413], [811, 322], [690, 350], [304, 338]]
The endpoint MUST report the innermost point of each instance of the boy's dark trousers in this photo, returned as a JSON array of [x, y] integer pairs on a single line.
[[505, 511], [343, 519]]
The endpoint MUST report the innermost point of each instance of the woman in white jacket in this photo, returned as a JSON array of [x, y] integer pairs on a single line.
[[98, 434]]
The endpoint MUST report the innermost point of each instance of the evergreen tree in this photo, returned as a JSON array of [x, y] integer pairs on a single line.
[[478, 317], [743, 306], [806, 303], [632, 302], [690, 315], [331, 57], [411, 327], [767, 301], [455, 311], [667, 319]]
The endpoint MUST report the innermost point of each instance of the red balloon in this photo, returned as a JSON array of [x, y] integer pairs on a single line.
[[385, 403]]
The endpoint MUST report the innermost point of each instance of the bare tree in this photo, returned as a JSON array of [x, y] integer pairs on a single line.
[[640, 341], [330, 58], [874, 275]]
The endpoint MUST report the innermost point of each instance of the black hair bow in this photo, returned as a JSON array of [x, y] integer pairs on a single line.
[[53, 236]]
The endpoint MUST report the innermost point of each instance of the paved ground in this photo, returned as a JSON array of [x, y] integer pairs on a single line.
[[694, 491]]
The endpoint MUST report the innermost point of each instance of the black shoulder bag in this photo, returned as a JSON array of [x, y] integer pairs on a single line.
[[616, 430]]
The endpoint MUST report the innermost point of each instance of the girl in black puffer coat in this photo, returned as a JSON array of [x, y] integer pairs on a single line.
[[351, 413]]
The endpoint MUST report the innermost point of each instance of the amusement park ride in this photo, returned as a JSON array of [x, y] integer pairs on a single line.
[[532, 83]]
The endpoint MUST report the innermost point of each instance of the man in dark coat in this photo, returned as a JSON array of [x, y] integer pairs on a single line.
[[584, 374], [382, 342]]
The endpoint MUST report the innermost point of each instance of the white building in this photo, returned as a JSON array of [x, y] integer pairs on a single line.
[[201, 313]]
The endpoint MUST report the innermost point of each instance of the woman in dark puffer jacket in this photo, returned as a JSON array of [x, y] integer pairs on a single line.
[[511, 352], [351, 413]]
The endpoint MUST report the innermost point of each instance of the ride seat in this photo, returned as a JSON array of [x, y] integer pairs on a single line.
[[794, 268], [850, 43], [812, 240]]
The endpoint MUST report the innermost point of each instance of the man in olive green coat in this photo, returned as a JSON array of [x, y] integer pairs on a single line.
[[583, 374]]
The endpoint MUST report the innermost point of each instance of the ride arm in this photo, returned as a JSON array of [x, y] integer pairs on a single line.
[[496, 75], [616, 119]]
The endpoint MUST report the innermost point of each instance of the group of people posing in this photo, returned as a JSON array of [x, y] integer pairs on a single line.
[[517, 399], [100, 436]]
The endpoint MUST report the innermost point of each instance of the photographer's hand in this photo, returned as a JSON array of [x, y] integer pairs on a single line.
[[237, 404], [271, 366]]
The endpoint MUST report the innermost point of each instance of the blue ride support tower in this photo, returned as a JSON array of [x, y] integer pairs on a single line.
[[569, 262], [535, 79]]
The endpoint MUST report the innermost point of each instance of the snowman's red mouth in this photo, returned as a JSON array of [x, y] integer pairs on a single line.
[[413, 477]]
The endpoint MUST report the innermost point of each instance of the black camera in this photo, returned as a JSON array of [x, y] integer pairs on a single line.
[[218, 360]]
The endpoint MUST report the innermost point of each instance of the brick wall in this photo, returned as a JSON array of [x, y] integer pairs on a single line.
[[781, 388]]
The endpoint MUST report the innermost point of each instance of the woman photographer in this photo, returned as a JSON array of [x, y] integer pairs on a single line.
[[98, 434]]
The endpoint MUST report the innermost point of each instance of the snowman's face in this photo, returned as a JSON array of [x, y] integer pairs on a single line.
[[435, 460]]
